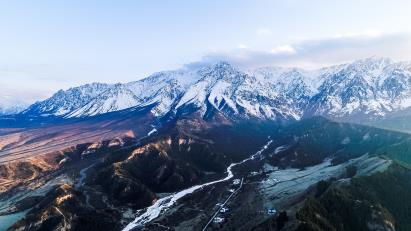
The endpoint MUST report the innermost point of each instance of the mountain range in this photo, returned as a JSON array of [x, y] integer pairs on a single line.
[[367, 89]]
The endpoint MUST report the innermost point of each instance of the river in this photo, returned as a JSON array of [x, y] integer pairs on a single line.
[[165, 203]]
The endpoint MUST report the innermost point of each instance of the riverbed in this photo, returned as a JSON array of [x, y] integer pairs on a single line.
[[165, 203]]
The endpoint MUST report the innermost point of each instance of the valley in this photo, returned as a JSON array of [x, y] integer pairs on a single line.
[[229, 115]]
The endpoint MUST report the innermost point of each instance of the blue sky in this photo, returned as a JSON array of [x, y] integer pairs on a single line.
[[48, 45]]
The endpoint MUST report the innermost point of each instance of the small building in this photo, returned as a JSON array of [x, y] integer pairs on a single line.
[[218, 219], [236, 181], [253, 173], [231, 190], [223, 210]]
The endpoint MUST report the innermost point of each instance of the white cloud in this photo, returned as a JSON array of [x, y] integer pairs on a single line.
[[314, 53]]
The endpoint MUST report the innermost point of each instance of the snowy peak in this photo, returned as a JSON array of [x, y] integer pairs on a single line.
[[217, 85], [221, 71]]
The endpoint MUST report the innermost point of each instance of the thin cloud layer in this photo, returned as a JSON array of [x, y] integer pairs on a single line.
[[321, 52]]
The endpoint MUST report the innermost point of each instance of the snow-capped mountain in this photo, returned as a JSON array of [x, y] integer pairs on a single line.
[[63, 103], [115, 98], [370, 87], [10, 106], [7, 109]]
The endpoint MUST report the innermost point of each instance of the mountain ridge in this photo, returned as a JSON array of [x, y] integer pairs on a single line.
[[368, 88]]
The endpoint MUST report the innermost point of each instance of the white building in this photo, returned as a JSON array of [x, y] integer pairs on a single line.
[[218, 219], [223, 210]]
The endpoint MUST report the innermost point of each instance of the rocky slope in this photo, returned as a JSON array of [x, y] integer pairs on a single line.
[[102, 185], [101, 190]]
